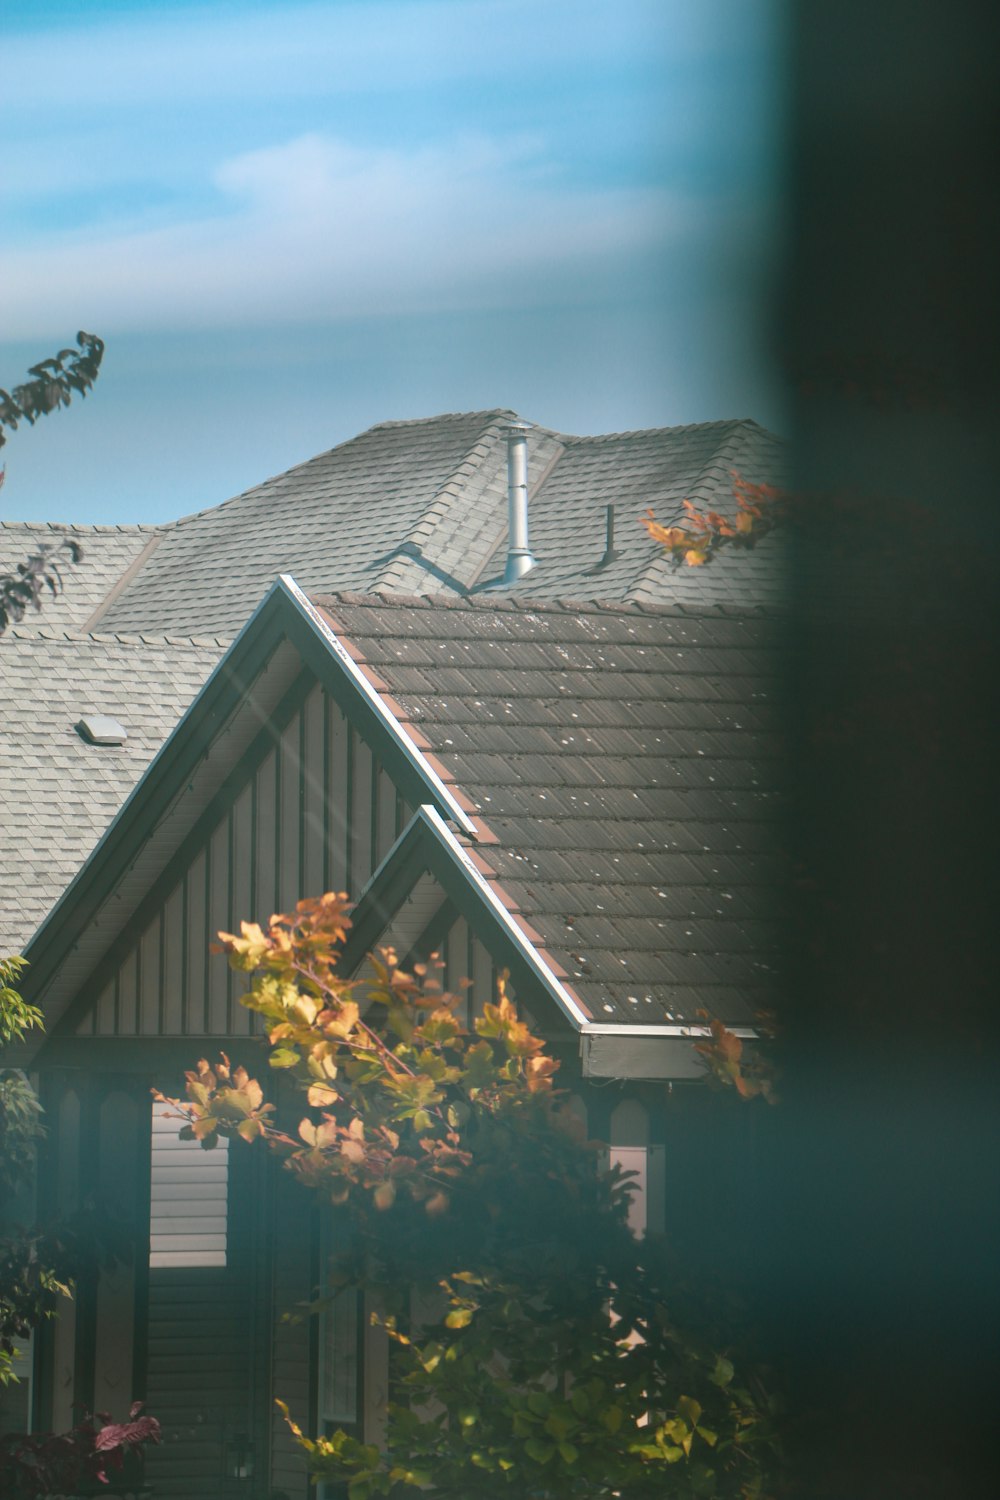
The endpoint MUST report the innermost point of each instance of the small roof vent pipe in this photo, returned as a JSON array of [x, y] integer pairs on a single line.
[[519, 558]]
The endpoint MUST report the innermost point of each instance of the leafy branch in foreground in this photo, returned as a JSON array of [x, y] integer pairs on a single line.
[[23, 589], [694, 536], [535, 1343], [53, 384]]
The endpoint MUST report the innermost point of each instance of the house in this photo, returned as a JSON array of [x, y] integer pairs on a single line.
[[574, 776]]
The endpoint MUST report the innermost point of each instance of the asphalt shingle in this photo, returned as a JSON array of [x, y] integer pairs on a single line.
[[58, 793], [617, 726], [647, 854]]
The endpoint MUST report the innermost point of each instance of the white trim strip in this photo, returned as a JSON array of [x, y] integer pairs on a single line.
[[374, 700], [528, 951], [598, 1028]]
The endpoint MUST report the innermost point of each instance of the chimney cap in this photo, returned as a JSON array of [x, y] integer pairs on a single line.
[[517, 428]]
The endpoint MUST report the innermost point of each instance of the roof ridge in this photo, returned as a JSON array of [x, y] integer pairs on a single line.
[[206, 510], [201, 641], [603, 437], [127, 528], [527, 605], [494, 412]]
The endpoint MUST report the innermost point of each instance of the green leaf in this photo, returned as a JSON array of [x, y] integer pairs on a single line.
[[539, 1451], [283, 1057], [568, 1453], [611, 1418], [459, 1317], [723, 1372], [689, 1408]]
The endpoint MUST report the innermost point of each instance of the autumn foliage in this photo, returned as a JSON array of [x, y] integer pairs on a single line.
[[693, 536], [546, 1358]]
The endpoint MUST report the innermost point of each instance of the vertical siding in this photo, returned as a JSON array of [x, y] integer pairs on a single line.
[[337, 758], [195, 947], [173, 930], [318, 812], [457, 970], [288, 795], [218, 920], [121, 1139], [313, 718], [67, 1197], [361, 864], [149, 984], [266, 825]]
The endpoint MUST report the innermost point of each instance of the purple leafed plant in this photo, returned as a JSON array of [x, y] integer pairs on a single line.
[[61, 1463]]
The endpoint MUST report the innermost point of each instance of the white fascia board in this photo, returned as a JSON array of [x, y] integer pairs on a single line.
[[374, 699], [598, 1028], [560, 994]]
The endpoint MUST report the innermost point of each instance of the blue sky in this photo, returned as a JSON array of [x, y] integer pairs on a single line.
[[291, 221]]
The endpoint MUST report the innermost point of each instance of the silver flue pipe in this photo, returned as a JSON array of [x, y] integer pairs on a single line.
[[519, 558]]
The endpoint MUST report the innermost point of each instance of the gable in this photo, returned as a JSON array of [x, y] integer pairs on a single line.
[[310, 808]]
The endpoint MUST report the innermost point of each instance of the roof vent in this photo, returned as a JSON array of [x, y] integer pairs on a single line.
[[101, 729], [610, 551], [519, 558]]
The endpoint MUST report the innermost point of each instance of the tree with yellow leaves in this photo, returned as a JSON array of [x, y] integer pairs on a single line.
[[451, 1165]]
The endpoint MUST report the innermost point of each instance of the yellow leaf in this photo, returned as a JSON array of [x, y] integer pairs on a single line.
[[384, 1195], [321, 1095]]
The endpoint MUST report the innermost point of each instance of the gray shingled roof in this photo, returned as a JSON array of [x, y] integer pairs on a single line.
[[57, 793], [344, 520], [635, 471], [420, 507], [628, 761], [108, 553]]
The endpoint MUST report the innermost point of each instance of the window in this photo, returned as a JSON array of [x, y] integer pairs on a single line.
[[188, 1197]]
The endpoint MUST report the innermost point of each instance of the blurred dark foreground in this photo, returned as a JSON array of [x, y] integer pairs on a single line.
[[878, 1244]]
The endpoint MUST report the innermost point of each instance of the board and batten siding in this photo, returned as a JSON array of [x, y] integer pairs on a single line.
[[317, 812]]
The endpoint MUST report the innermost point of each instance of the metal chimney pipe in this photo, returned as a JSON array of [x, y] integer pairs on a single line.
[[519, 558]]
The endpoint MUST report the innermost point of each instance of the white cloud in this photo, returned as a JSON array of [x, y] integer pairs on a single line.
[[316, 229]]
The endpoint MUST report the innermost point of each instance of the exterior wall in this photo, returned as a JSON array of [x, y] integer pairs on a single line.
[[205, 1347], [312, 811], [293, 1358], [316, 813]]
